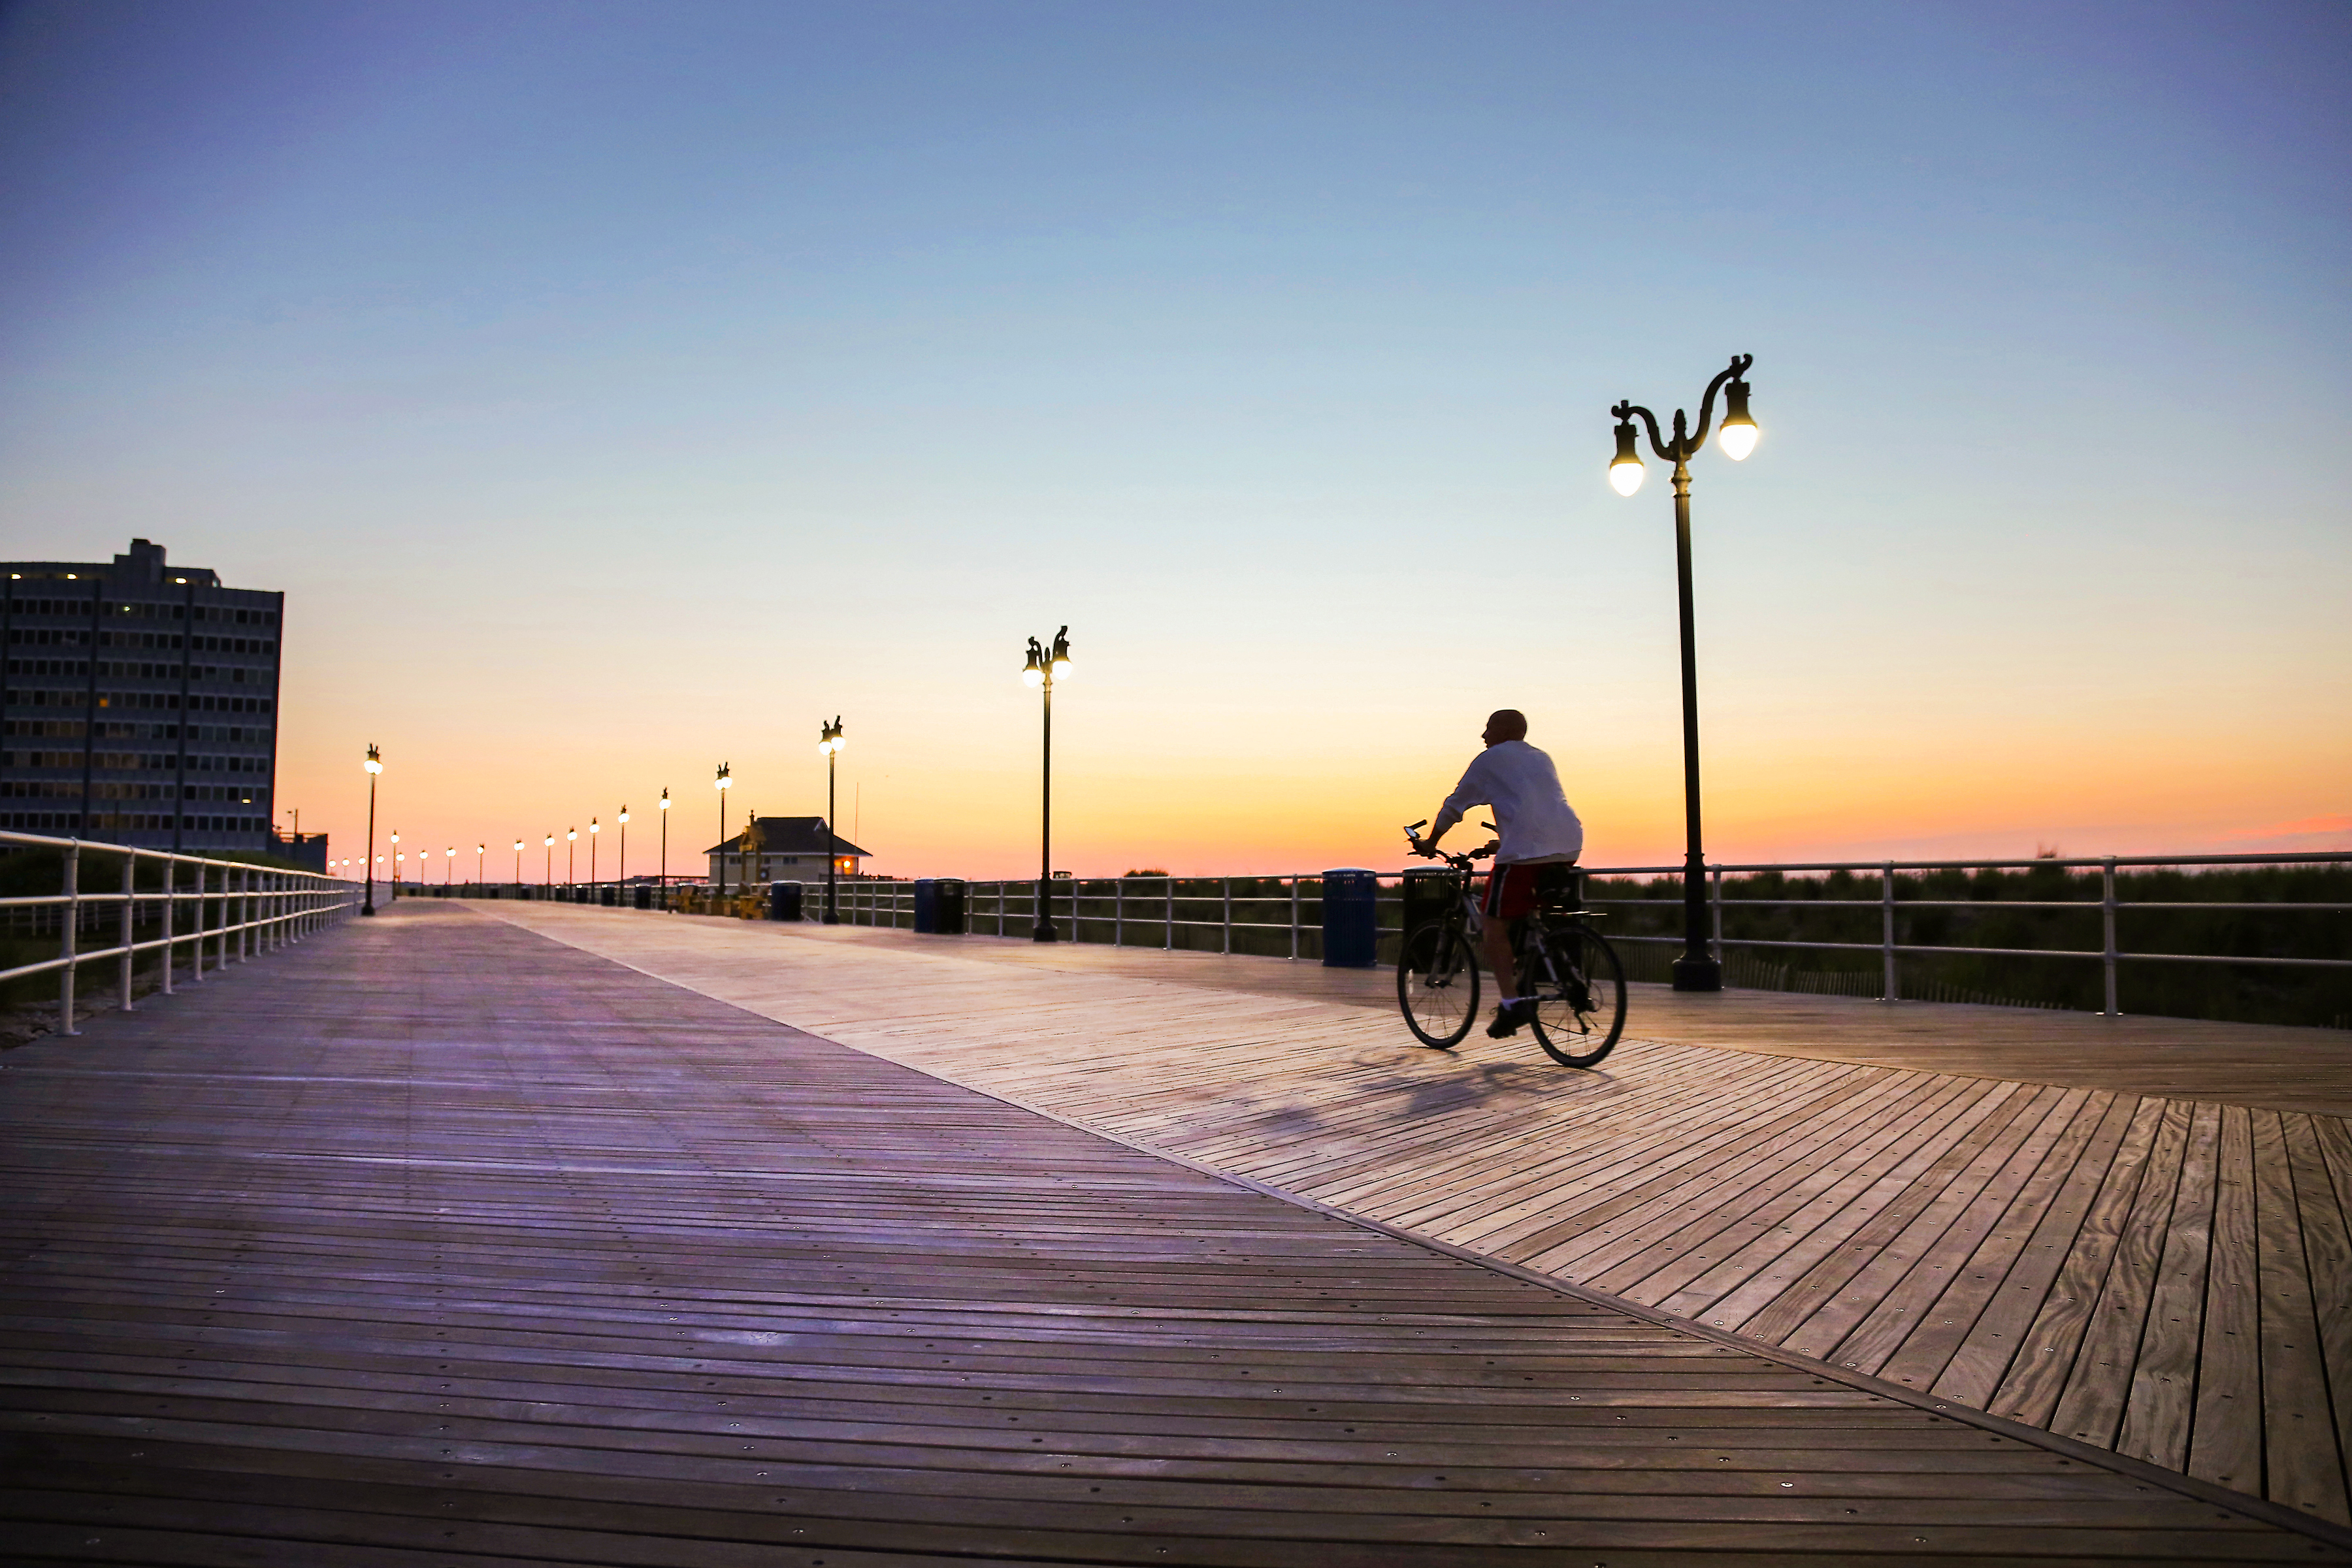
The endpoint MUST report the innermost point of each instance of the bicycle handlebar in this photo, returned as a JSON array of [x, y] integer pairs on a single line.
[[1458, 862]]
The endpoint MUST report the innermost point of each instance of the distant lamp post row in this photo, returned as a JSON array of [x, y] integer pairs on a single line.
[[1045, 667], [1698, 968], [829, 742]]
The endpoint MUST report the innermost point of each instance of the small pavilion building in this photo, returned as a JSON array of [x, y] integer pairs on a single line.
[[781, 849]]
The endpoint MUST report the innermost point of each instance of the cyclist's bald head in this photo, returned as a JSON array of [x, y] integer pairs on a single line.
[[1505, 724]]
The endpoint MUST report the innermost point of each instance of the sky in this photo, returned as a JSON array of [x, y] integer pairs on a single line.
[[615, 390]]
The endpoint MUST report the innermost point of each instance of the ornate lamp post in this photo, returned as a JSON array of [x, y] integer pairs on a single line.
[[374, 766], [398, 856], [517, 867], [479, 851], [664, 821], [550, 879], [1697, 969], [1043, 668], [722, 784], [593, 829], [622, 875], [571, 856], [829, 742], [449, 865]]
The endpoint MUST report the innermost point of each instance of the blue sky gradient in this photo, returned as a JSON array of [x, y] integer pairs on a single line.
[[617, 388]]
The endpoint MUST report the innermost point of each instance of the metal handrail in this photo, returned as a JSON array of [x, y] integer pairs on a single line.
[[261, 909], [1158, 904]]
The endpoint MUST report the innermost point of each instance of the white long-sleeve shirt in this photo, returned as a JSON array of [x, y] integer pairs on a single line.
[[1523, 787]]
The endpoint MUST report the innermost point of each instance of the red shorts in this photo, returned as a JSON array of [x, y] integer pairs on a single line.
[[1510, 892]]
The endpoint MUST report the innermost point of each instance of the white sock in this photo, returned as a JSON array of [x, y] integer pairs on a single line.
[[1509, 1001]]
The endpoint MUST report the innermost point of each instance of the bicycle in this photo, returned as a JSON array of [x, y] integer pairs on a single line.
[[1565, 966]]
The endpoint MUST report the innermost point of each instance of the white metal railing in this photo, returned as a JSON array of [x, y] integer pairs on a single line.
[[239, 910], [1117, 910]]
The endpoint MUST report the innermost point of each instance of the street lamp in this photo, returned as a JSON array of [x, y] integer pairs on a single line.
[[829, 742], [593, 829], [550, 880], [395, 863], [571, 855], [622, 875], [374, 766], [1046, 666], [1698, 969], [664, 821], [479, 851], [449, 866], [724, 781], [517, 867]]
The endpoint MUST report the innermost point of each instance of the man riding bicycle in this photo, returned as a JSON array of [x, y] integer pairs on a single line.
[[1538, 828]]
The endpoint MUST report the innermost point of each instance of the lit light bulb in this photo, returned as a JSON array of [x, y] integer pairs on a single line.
[[1033, 678], [1737, 438], [1625, 475]]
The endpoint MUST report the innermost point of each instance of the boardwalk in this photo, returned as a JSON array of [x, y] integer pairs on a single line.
[[436, 1242], [2168, 1278]]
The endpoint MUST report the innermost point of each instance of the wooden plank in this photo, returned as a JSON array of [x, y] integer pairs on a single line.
[[2161, 1406], [2327, 1250], [2091, 1409], [2301, 1464]]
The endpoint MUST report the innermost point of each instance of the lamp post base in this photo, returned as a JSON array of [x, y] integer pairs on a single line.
[[1046, 933], [367, 909], [1697, 974]]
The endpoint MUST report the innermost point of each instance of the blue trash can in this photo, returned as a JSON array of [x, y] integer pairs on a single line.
[[784, 900], [926, 905], [1350, 918]]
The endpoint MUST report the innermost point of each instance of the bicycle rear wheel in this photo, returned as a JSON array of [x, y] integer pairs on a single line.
[[1437, 985], [1578, 1017]]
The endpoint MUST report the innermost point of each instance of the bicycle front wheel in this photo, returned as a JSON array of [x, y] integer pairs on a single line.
[[1437, 985], [1578, 1021]]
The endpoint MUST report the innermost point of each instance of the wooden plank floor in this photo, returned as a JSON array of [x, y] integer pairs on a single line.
[[2269, 1066], [2161, 1277], [432, 1242]]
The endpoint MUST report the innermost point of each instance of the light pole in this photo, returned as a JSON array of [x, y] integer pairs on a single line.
[[571, 855], [664, 821], [724, 781], [396, 857], [374, 766], [449, 865], [622, 875], [829, 742], [593, 829], [479, 851], [1698, 969], [517, 867], [550, 879], [1042, 669]]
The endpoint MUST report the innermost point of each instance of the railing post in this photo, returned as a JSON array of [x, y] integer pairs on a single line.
[[130, 914], [171, 910], [1227, 883], [1716, 897], [244, 916], [1294, 919], [1119, 912], [1887, 990], [2107, 932], [198, 967], [1170, 944], [66, 941]]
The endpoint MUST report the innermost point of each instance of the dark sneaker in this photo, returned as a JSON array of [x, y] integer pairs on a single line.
[[1511, 1018]]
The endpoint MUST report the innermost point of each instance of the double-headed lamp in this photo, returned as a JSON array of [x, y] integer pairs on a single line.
[[593, 826], [1033, 674], [828, 739], [665, 799], [624, 816], [1737, 436], [726, 779], [374, 763], [1625, 470], [570, 835], [551, 842]]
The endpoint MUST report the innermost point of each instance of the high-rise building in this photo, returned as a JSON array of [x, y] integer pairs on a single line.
[[140, 704]]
